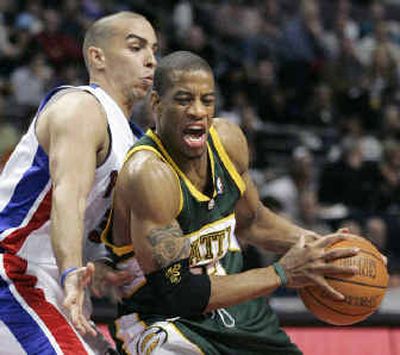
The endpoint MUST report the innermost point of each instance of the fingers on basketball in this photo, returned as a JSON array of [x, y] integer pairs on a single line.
[[363, 291]]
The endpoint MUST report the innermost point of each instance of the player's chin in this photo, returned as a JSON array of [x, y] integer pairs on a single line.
[[142, 88], [139, 93], [194, 153]]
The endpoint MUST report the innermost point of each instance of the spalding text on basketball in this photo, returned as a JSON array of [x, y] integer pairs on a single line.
[[366, 267]]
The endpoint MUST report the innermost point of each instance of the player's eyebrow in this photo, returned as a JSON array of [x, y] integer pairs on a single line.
[[132, 35], [141, 39]]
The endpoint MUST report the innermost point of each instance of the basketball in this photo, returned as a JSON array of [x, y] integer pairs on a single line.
[[363, 291]]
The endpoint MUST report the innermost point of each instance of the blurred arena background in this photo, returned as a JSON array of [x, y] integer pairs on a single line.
[[314, 85]]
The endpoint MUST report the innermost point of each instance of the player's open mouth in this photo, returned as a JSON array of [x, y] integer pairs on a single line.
[[195, 136]]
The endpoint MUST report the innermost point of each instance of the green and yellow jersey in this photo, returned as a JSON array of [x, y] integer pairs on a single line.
[[209, 222]]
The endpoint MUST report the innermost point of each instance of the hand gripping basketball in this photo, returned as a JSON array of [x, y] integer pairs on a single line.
[[363, 291], [310, 264]]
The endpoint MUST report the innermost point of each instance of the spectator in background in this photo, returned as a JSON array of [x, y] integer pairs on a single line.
[[30, 82], [71, 74], [264, 93], [243, 114], [390, 129], [309, 216], [367, 45], [13, 40], [273, 19], [74, 22], [347, 77], [303, 55], [239, 26], [29, 18], [382, 76], [388, 190], [302, 36], [59, 48], [196, 40], [9, 136], [376, 232], [353, 130], [287, 189], [183, 18], [375, 15], [322, 111], [342, 181], [344, 27]]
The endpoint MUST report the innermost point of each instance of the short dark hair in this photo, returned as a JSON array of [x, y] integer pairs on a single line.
[[100, 31], [177, 61]]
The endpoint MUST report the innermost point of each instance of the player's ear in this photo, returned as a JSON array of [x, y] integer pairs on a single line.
[[96, 57], [154, 101]]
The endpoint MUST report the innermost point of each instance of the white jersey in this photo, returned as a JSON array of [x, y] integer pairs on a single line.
[[32, 320], [25, 186]]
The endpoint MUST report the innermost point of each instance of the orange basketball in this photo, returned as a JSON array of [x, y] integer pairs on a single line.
[[363, 292]]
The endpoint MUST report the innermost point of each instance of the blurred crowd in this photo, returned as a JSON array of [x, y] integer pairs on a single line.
[[314, 84]]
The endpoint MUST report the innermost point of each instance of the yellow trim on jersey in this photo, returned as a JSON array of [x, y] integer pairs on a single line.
[[227, 161], [178, 331], [104, 233], [118, 250], [125, 249], [232, 215], [135, 289], [193, 190], [155, 151]]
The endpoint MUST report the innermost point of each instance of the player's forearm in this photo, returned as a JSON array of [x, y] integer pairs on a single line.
[[230, 290], [274, 233], [67, 215]]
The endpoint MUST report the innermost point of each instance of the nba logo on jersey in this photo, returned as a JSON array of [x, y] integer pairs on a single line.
[[220, 187]]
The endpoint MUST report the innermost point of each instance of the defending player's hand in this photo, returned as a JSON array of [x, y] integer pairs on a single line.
[[307, 265], [107, 282], [74, 295]]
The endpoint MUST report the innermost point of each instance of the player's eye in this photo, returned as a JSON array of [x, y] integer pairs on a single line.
[[135, 48], [182, 100]]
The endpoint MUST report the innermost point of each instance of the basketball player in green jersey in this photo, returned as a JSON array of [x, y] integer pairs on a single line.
[[183, 200]]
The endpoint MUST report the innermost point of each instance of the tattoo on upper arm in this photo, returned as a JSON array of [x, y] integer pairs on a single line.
[[168, 245]]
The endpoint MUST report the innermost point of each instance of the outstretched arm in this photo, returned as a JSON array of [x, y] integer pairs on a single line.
[[151, 193], [72, 130]]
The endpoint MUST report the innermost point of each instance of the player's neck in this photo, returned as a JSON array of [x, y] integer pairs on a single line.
[[196, 170], [125, 106]]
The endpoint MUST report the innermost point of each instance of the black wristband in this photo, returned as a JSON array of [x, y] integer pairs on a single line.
[[180, 293]]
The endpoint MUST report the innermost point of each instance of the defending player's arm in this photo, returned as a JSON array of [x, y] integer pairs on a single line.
[[152, 196], [72, 131]]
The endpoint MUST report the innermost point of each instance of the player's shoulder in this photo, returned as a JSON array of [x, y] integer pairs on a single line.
[[74, 115], [147, 178], [234, 142], [145, 170], [73, 97], [75, 104]]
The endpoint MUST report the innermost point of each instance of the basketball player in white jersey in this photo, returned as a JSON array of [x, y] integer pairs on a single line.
[[63, 171]]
